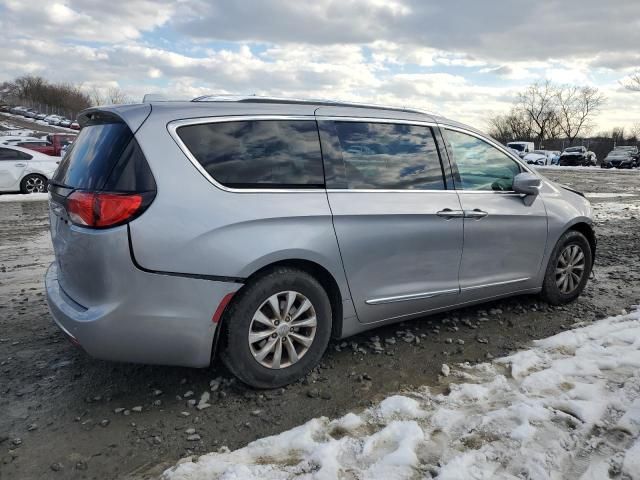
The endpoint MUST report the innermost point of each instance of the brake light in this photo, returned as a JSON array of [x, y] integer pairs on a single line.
[[100, 210]]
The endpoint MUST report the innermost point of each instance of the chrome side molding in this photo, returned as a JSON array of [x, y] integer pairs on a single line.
[[495, 284], [412, 296], [452, 291]]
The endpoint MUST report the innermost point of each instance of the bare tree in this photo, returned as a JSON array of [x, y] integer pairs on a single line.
[[545, 111], [111, 96], [96, 96], [575, 109], [512, 126], [633, 83], [115, 95], [539, 104], [635, 131], [32, 90], [500, 129], [617, 135]]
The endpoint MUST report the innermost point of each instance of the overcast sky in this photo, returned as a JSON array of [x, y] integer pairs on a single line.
[[462, 58]]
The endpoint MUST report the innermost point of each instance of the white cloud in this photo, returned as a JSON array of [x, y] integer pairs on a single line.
[[500, 30], [388, 53], [568, 76], [61, 14], [154, 72], [87, 20], [459, 58]]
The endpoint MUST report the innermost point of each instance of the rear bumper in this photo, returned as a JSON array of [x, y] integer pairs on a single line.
[[162, 319]]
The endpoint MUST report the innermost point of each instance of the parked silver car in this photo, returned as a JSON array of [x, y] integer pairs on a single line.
[[260, 228]]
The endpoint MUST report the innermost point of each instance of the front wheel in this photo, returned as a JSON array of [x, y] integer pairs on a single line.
[[277, 328], [33, 183], [568, 269]]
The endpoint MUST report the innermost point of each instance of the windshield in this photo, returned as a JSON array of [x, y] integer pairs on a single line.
[[573, 149]]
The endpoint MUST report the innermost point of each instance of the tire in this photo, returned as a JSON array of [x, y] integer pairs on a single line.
[[242, 357], [33, 183], [554, 293]]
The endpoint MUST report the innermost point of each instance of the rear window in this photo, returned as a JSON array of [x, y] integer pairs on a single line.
[[105, 156], [258, 153]]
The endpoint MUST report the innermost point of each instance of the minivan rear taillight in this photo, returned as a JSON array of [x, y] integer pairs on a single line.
[[102, 209], [104, 180]]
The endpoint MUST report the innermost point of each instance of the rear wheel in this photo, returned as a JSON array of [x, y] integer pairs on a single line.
[[33, 183], [277, 328], [568, 269]]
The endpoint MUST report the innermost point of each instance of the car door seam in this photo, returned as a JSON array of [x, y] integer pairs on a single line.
[[333, 226]]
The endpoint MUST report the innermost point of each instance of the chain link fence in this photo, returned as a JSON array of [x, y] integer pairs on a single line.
[[41, 107]]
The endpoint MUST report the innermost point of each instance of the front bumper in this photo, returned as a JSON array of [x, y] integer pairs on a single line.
[[624, 164], [573, 161], [162, 319]]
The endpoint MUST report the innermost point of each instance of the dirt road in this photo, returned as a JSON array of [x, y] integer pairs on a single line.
[[65, 415]]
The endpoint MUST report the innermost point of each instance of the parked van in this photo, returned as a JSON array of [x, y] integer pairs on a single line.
[[522, 147], [260, 228]]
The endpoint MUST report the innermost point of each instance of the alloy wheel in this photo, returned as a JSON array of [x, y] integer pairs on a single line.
[[570, 268], [35, 184], [282, 329]]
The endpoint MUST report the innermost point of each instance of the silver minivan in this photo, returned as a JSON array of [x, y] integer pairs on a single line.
[[260, 228]]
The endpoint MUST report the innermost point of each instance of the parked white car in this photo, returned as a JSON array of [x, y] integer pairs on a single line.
[[535, 158], [24, 170], [542, 157], [53, 119]]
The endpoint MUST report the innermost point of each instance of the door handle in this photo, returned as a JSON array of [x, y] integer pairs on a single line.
[[475, 213], [20, 164], [448, 214]]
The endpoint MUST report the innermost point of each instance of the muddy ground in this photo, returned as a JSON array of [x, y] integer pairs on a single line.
[[65, 415]]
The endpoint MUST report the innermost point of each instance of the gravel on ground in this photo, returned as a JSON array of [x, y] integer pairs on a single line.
[[65, 415]]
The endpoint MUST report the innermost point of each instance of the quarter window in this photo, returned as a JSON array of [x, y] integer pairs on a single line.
[[385, 156], [258, 153], [480, 165]]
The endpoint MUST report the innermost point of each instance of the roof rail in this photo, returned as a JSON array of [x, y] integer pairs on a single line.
[[161, 97], [300, 101]]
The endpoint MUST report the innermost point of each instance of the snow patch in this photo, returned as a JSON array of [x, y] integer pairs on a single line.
[[615, 210], [609, 195], [20, 197], [541, 413], [550, 168]]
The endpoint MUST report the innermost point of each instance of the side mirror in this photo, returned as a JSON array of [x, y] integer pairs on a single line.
[[526, 183]]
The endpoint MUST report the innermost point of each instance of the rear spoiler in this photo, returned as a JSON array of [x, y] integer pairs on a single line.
[[133, 115]]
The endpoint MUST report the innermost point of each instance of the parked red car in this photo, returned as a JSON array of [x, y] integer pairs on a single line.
[[55, 142]]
